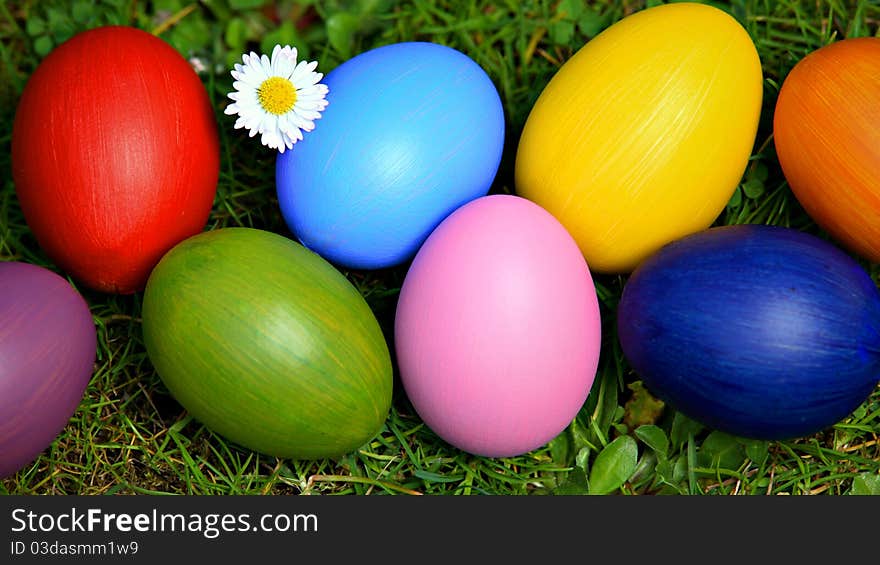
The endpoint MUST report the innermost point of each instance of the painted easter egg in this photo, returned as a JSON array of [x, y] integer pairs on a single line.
[[115, 155], [827, 134], [48, 345], [412, 131], [267, 344], [644, 134], [759, 331], [497, 329]]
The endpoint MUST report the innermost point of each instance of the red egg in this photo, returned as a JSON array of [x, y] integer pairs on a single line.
[[827, 136], [115, 155]]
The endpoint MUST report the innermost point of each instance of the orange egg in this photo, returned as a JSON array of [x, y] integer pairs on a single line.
[[827, 135]]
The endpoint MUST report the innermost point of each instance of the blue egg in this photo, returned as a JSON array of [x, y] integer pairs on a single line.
[[412, 131], [758, 331]]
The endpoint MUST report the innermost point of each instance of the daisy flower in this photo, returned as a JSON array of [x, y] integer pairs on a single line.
[[278, 97]]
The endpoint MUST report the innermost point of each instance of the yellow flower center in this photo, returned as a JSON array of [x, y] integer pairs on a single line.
[[276, 95]]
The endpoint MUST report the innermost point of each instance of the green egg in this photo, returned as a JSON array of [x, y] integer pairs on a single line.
[[267, 344]]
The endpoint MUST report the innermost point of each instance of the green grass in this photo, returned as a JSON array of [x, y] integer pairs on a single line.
[[130, 436]]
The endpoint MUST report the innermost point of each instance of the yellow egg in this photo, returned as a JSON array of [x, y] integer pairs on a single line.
[[643, 135]]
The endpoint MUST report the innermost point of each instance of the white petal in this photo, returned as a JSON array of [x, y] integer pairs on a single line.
[[307, 107], [306, 113], [249, 98], [271, 139], [291, 53], [310, 93], [284, 67], [309, 80], [302, 70], [285, 62], [249, 80], [270, 121], [252, 121], [302, 121], [289, 141], [292, 136], [279, 62], [310, 105], [253, 61]]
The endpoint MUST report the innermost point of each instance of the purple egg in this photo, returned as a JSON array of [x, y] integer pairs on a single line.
[[47, 353]]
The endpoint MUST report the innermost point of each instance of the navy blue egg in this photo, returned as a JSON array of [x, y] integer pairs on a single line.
[[412, 131], [762, 332]]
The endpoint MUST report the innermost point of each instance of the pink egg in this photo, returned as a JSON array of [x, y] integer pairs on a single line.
[[497, 329]]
